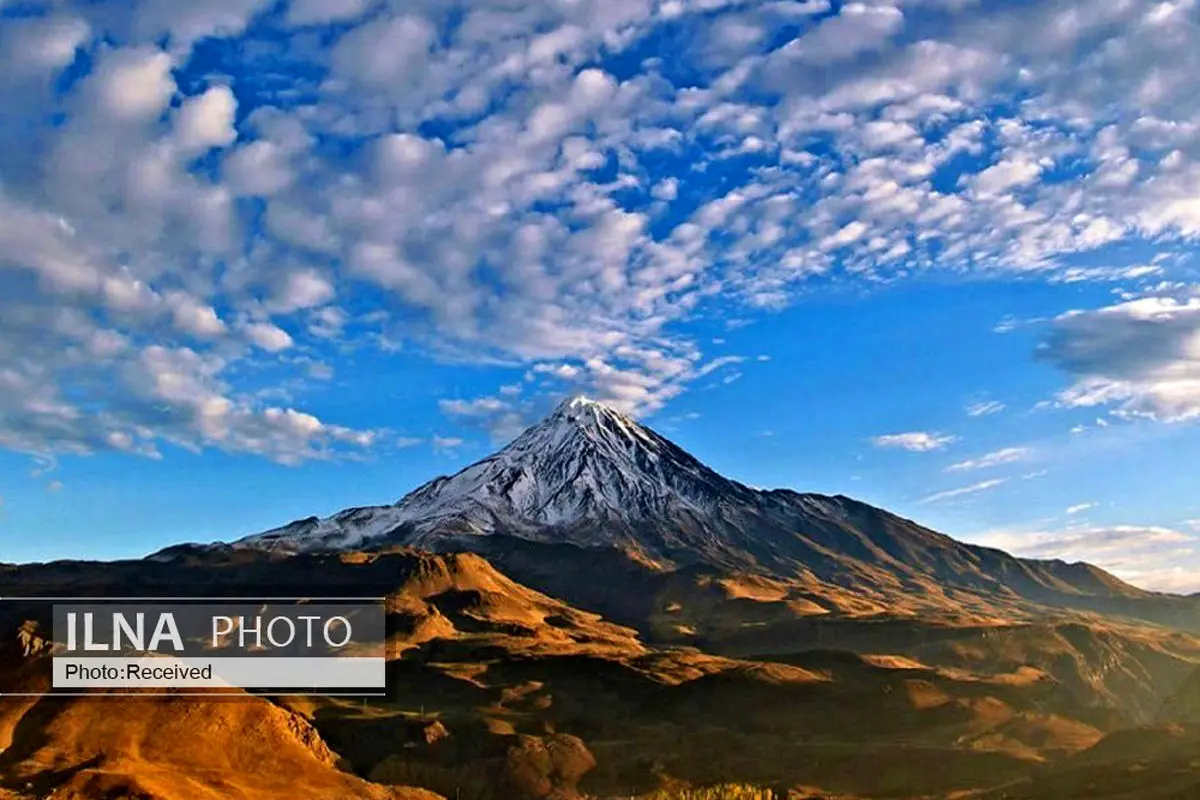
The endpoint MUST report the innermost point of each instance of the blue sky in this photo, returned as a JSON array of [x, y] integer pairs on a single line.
[[261, 260]]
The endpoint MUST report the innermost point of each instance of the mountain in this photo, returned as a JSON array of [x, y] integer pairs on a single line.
[[1183, 705], [586, 475], [497, 691], [590, 477], [593, 612]]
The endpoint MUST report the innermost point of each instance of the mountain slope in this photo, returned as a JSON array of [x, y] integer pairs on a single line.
[[586, 474], [591, 477], [482, 668], [177, 747]]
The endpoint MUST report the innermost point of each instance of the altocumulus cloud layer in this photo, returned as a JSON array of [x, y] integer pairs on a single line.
[[203, 198]]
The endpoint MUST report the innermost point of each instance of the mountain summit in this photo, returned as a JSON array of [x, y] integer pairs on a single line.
[[586, 474], [591, 477]]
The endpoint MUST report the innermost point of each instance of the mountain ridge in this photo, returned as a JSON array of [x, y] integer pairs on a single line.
[[591, 477], [483, 665]]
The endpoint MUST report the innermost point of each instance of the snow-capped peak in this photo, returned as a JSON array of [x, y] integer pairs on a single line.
[[584, 461], [584, 464], [582, 402], [589, 476], [592, 415], [579, 420]]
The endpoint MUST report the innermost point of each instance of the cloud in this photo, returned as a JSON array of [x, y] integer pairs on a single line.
[[472, 408], [857, 28], [1100, 423], [1082, 507], [132, 85], [1140, 357], [194, 318], [667, 189], [915, 442], [1089, 274], [43, 465], [506, 189], [1008, 455], [999, 179], [1172, 580], [847, 235], [301, 289], [502, 417], [985, 408], [1153, 557], [269, 337], [443, 444], [635, 380], [975, 488], [206, 121], [34, 47], [316, 12]]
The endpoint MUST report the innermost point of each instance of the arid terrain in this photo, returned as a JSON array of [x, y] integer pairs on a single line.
[[897, 664], [498, 690]]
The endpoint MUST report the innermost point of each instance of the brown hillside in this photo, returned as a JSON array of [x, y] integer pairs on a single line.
[[176, 748], [1152, 763], [487, 675]]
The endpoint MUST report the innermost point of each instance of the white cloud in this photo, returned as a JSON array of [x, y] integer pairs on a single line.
[[37, 46], [985, 408], [206, 120], [847, 235], [1141, 357], [1079, 509], [667, 189], [1172, 580], [1152, 557], [915, 441], [884, 134], [133, 85], [195, 318], [185, 23], [965, 491], [506, 201], [315, 12], [502, 417], [269, 337], [999, 179], [378, 52], [472, 408], [1008, 455], [301, 290], [856, 28], [1083, 274], [259, 168], [443, 444]]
